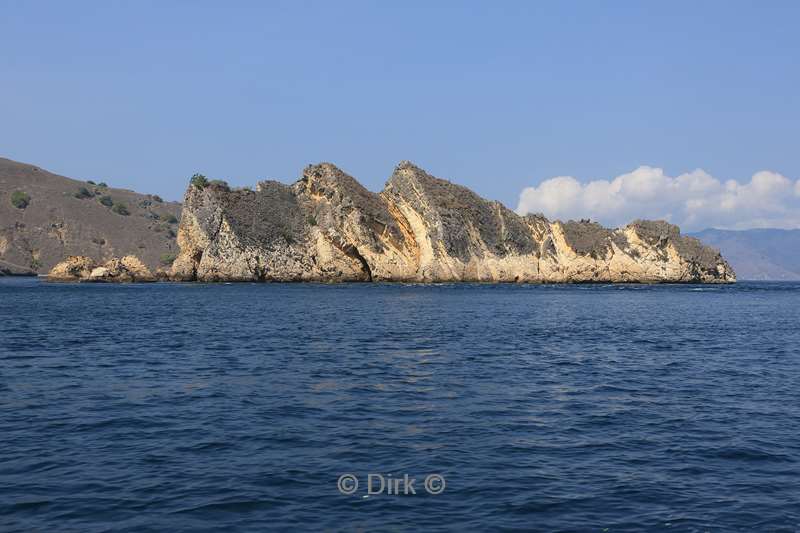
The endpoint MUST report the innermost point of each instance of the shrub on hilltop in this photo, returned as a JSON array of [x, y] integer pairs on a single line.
[[220, 184], [199, 181]]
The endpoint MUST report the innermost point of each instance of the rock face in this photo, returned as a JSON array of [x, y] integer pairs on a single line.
[[82, 268], [327, 227]]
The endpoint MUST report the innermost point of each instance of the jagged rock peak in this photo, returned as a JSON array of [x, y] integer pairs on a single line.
[[323, 170], [405, 164], [406, 174], [326, 179]]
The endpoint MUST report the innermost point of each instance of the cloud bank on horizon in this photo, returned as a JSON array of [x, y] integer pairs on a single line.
[[694, 201]]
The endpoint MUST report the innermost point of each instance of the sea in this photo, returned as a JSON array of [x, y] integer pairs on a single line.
[[171, 407]]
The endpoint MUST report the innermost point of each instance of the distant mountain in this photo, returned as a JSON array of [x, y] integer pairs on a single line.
[[45, 217], [758, 254]]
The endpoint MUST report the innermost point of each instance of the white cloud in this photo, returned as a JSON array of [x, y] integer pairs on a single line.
[[694, 200]]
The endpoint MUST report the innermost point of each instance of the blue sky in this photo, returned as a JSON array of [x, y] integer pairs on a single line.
[[498, 96]]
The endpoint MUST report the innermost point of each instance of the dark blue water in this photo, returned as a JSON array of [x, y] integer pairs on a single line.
[[181, 407]]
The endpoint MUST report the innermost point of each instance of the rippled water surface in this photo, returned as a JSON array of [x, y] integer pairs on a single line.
[[189, 407]]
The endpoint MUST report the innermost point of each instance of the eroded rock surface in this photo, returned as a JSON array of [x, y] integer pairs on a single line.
[[327, 227], [120, 270]]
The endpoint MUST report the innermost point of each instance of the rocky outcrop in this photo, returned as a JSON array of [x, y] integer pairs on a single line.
[[327, 227], [115, 270]]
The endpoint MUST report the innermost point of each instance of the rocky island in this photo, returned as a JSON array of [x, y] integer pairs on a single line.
[[327, 227]]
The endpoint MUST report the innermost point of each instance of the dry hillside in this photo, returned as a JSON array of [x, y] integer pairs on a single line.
[[45, 217]]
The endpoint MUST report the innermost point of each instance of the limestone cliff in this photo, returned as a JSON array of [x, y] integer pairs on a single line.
[[327, 227]]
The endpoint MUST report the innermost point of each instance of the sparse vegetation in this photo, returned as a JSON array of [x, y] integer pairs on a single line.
[[35, 264], [158, 228], [157, 198], [107, 201], [220, 184], [168, 258], [103, 184], [311, 220], [169, 218], [90, 182], [121, 209], [82, 193], [20, 199], [199, 181]]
